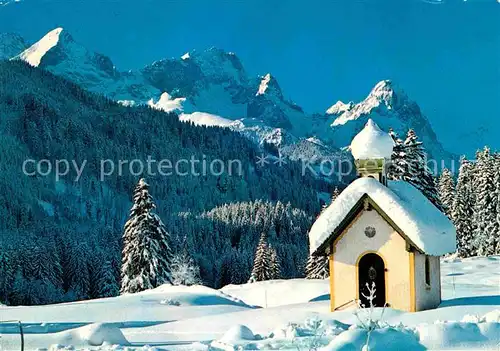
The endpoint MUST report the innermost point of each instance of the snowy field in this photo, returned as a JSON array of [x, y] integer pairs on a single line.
[[276, 315]]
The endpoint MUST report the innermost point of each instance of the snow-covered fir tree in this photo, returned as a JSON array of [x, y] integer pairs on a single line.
[[496, 181], [184, 270], [416, 169], [146, 256], [274, 264], [262, 263], [446, 191], [485, 207], [409, 163], [317, 267], [463, 209], [396, 168], [335, 194]]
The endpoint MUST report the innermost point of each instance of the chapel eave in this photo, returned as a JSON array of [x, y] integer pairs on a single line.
[[364, 203]]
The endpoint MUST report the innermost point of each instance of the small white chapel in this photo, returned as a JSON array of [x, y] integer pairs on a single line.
[[382, 232]]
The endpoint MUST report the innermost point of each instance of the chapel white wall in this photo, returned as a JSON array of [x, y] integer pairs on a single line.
[[427, 297], [388, 244]]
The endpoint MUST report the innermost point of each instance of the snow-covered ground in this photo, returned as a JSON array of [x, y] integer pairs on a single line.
[[283, 314]]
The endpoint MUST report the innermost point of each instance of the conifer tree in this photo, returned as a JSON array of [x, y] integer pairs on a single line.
[[17, 296], [335, 193], [262, 262], [485, 216], [416, 169], [78, 273], [274, 264], [463, 209], [107, 285], [317, 267], [496, 182], [6, 276], [396, 168], [146, 256], [446, 190]]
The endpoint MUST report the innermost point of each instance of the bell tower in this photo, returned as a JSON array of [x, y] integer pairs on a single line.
[[372, 149], [372, 168]]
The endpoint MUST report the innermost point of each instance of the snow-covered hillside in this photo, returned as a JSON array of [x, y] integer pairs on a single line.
[[189, 318], [214, 81]]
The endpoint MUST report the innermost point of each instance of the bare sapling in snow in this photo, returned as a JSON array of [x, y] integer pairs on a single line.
[[366, 314], [146, 256], [317, 329]]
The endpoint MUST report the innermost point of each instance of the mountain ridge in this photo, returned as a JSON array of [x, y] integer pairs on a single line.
[[214, 81]]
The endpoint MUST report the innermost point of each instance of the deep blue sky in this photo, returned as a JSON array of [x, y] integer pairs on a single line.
[[445, 56]]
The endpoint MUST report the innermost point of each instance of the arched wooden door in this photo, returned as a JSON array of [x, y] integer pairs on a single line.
[[371, 269]]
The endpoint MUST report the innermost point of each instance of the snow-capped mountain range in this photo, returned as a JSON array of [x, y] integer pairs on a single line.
[[211, 87]]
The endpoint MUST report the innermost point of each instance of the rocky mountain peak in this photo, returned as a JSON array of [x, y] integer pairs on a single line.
[[35, 53], [389, 107], [219, 64], [339, 107], [387, 93]]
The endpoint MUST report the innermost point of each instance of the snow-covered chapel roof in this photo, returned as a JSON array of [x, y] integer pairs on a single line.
[[414, 216], [371, 143]]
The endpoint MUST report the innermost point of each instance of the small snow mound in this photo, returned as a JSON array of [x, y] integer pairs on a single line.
[[386, 339], [335, 327], [238, 333], [198, 346], [492, 317], [450, 334], [34, 54], [471, 318], [289, 331], [94, 335], [58, 347], [194, 295], [371, 143]]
